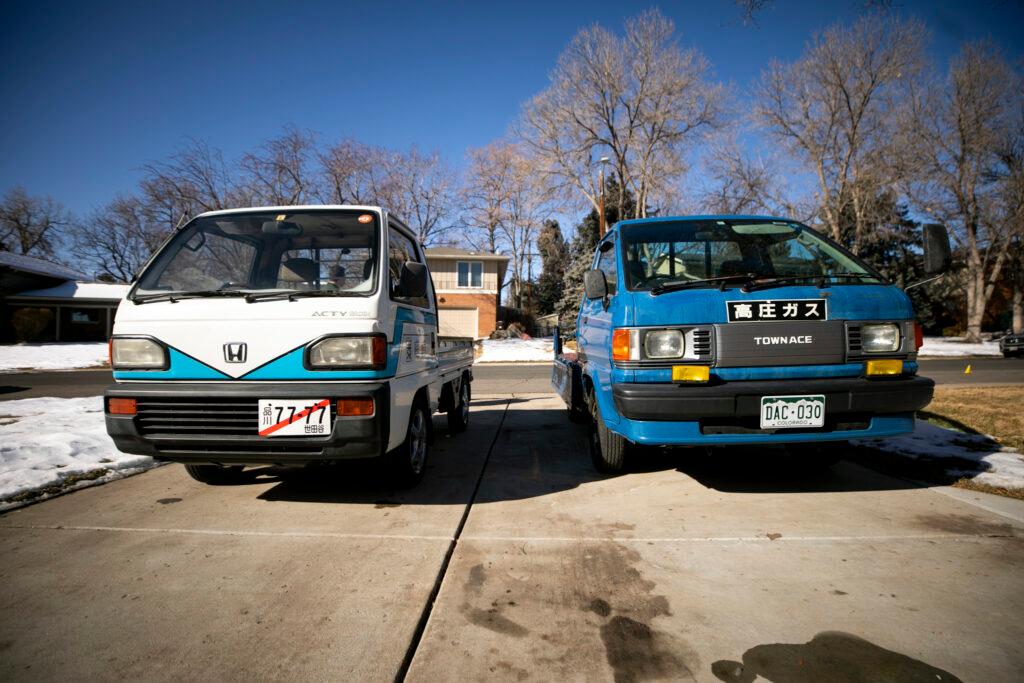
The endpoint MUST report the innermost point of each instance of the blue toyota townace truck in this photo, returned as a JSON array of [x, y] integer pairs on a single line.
[[731, 330]]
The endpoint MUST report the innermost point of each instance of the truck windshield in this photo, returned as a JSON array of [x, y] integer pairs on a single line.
[[661, 254], [305, 253]]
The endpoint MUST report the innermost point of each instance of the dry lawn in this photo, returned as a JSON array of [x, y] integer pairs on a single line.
[[997, 411]]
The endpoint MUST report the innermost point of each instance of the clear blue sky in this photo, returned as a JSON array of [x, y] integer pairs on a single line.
[[92, 91]]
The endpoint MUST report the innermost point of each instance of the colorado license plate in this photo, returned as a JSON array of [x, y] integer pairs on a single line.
[[786, 412], [311, 417]]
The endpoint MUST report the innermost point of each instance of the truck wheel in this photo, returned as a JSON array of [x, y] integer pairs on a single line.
[[577, 414], [607, 449], [215, 474], [408, 462], [458, 417], [816, 456]]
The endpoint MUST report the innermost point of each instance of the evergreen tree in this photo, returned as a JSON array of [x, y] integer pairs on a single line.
[[554, 254], [581, 252]]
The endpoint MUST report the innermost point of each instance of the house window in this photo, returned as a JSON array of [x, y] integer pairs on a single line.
[[471, 274]]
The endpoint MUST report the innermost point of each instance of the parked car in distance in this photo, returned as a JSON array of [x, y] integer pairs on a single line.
[[1011, 345]]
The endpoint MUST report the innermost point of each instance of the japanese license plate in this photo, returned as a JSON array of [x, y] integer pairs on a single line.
[[309, 417], [786, 412]]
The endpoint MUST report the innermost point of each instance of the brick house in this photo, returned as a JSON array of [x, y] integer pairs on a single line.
[[468, 290]]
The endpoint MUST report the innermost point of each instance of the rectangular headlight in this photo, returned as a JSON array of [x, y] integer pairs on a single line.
[[664, 344], [348, 352], [880, 338], [133, 353]]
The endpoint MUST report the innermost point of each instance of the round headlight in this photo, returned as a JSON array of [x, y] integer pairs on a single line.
[[880, 338], [664, 344]]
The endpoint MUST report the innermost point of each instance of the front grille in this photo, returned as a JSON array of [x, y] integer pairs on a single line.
[[702, 343], [853, 345], [200, 417]]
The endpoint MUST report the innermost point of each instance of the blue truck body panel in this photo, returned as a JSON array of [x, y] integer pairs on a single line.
[[639, 400]]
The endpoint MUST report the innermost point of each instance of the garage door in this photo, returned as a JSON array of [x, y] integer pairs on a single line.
[[457, 322]]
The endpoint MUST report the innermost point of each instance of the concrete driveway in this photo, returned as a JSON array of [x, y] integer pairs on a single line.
[[513, 561]]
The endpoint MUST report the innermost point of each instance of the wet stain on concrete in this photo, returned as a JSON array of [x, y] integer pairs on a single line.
[[493, 620], [964, 524], [381, 504], [773, 536], [477, 576], [600, 607], [168, 501], [839, 592], [636, 652], [829, 656]]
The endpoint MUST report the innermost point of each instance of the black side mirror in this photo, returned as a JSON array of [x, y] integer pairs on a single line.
[[412, 282], [937, 254], [595, 285]]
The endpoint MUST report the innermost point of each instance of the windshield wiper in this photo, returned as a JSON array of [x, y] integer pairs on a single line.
[[822, 280], [290, 294], [684, 284], [175, 296]]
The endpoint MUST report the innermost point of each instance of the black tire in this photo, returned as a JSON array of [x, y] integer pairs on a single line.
[[1007, 354], [458, 417], [816, 456], [215, 474], [607, 449], [407, 463]]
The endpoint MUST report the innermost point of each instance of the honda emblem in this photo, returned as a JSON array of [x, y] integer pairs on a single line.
[[234, 352]]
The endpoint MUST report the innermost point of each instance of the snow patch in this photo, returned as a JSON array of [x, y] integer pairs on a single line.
[[517, 350], [55, 356], [986, 462], [957, 347], [52, 445]]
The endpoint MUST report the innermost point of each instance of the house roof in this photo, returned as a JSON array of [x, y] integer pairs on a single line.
[[455, 253], [77, 290], [37, 266]]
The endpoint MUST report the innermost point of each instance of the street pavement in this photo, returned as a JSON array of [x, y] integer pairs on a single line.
[[515, 560], [500, 378]]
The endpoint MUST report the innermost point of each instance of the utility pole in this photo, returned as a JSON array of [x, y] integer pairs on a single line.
[[600, 175]]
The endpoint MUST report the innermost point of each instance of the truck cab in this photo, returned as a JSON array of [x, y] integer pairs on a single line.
[[732, 330], [287, 335]]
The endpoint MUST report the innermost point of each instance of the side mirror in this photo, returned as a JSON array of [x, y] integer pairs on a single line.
[[412, 282], [937, 254], [595, 285]]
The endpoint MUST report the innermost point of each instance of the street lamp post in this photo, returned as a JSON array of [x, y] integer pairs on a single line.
[[600, 176]]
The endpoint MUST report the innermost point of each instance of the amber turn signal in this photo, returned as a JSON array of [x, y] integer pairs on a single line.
[[884, 368], [691, 373], [121, 406], [355, 407], [620, 344]]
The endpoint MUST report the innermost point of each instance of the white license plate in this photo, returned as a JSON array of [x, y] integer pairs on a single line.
[[787, 412], [310, 417]]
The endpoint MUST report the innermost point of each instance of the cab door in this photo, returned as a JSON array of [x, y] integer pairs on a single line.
[[597, 316]]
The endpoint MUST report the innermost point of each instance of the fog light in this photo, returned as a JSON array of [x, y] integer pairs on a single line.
[[883, 368], [691, 373], [121, 406], [355, 407]]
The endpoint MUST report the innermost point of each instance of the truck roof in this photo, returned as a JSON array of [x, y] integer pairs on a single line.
[[716, 217], [286, 208]]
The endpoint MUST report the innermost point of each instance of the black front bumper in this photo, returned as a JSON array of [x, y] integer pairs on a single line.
[[740, 399], [183, 422]]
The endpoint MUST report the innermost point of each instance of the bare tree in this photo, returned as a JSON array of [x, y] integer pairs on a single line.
[[351, 173], [486, 193], [281, 171], [191, 181], [740, 184], [30, 225], [960, 126], [835, 109], [641, 100], [117, 240]]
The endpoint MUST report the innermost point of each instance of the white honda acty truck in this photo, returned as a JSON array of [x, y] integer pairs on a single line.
[[287, 335]]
